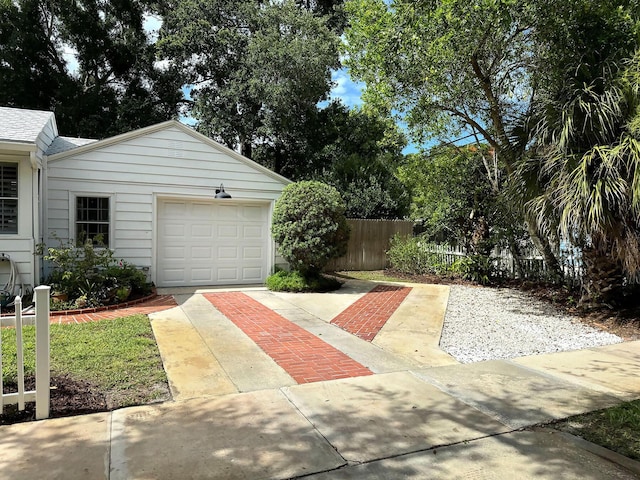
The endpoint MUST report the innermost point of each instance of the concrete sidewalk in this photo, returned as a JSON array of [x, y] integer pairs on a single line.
[[238, 415]]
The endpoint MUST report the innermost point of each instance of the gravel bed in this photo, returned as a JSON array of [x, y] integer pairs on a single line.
[[488, 324]]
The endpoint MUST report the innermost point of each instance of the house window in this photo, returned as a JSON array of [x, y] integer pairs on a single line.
[[8, 198], [92, 220]]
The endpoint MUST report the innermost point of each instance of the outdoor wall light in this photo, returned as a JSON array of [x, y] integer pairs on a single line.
[[220, 193]]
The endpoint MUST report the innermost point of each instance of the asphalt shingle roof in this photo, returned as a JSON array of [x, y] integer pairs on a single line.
[[62, 144], [21, 125]]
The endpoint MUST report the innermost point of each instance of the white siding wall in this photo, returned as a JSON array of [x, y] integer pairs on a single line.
[[137, 171]]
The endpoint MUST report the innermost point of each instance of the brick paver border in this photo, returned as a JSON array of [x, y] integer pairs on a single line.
[[366, 316], [146, 307], [301, 354]]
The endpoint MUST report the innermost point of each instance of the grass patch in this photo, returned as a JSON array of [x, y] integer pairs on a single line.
[[284, 281], [118, 358], [616, 428]]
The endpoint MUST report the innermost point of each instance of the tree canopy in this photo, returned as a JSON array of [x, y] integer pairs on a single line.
[[112, 83], [258, 70]]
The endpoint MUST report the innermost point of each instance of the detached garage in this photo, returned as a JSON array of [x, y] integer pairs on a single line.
[[151, 194]]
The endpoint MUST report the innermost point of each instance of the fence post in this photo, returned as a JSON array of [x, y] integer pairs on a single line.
[[19, 352], [43, 373]]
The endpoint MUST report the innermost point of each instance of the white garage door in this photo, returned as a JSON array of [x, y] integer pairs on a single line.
[[211, 243]]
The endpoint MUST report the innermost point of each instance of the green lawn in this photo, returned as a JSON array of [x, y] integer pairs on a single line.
[[119, 358], [616, 428]]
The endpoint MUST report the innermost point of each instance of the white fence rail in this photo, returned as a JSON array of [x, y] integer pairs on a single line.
[[41, 394]]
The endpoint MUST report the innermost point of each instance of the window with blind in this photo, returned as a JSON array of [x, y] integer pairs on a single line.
[[8, 198], [92, 220]]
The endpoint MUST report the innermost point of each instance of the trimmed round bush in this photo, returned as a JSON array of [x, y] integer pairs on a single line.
[[310, 226]]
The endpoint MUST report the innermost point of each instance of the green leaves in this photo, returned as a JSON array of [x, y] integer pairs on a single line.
[[258, 70], [309, 226], [112, 84]]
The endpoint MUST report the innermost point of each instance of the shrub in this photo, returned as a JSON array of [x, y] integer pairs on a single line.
[[410, 255], [295, 282], [310, 226], [476, 268], [90, 276]]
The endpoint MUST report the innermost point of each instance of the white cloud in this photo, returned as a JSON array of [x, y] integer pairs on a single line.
[[346, 89]]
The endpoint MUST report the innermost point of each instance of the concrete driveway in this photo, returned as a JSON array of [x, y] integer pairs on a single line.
[[377, 400]]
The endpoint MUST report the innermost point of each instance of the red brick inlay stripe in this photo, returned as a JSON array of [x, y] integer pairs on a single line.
[[367, 316], [301, 354]]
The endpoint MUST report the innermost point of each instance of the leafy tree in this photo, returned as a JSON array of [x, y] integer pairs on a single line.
[[481, 67], [451, 196], [358, 153], [309, 226], [116, 86], [258, 70]]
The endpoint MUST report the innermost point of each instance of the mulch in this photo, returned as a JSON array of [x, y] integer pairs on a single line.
[[68, 397]]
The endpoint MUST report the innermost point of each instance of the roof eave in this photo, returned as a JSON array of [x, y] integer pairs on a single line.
[[18, 146]]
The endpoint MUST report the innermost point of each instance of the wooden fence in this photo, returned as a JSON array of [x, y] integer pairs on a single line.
[[368, 244], [43, 377]]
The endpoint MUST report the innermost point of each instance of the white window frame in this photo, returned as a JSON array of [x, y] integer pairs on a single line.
[[73, 212]]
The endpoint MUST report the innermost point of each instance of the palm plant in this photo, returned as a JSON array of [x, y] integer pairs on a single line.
[[588, 170]]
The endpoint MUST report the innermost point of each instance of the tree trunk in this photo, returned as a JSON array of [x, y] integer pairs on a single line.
[[544, 247], [603, 280], [517, 256], [246, 149]]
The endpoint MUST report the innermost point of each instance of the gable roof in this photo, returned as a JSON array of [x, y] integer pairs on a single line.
[[20, 125], [162, 126]]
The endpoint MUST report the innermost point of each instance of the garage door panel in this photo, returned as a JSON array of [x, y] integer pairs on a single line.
[[226, 231], [202, 254], [175, 209], [211, 243], [174, 275], [173, 253], [202, 231], [171, 230], [228, 212], [253, 213], [228, 275], [252, 232], [202, 211], [202, 275], [252, 273], [252, 253], [227, 253]]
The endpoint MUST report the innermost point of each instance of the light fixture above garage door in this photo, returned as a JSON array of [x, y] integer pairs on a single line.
[[220, 193]]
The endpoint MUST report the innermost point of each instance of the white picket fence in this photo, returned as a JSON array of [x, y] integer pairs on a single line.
[[43, 376], [532, 262]]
